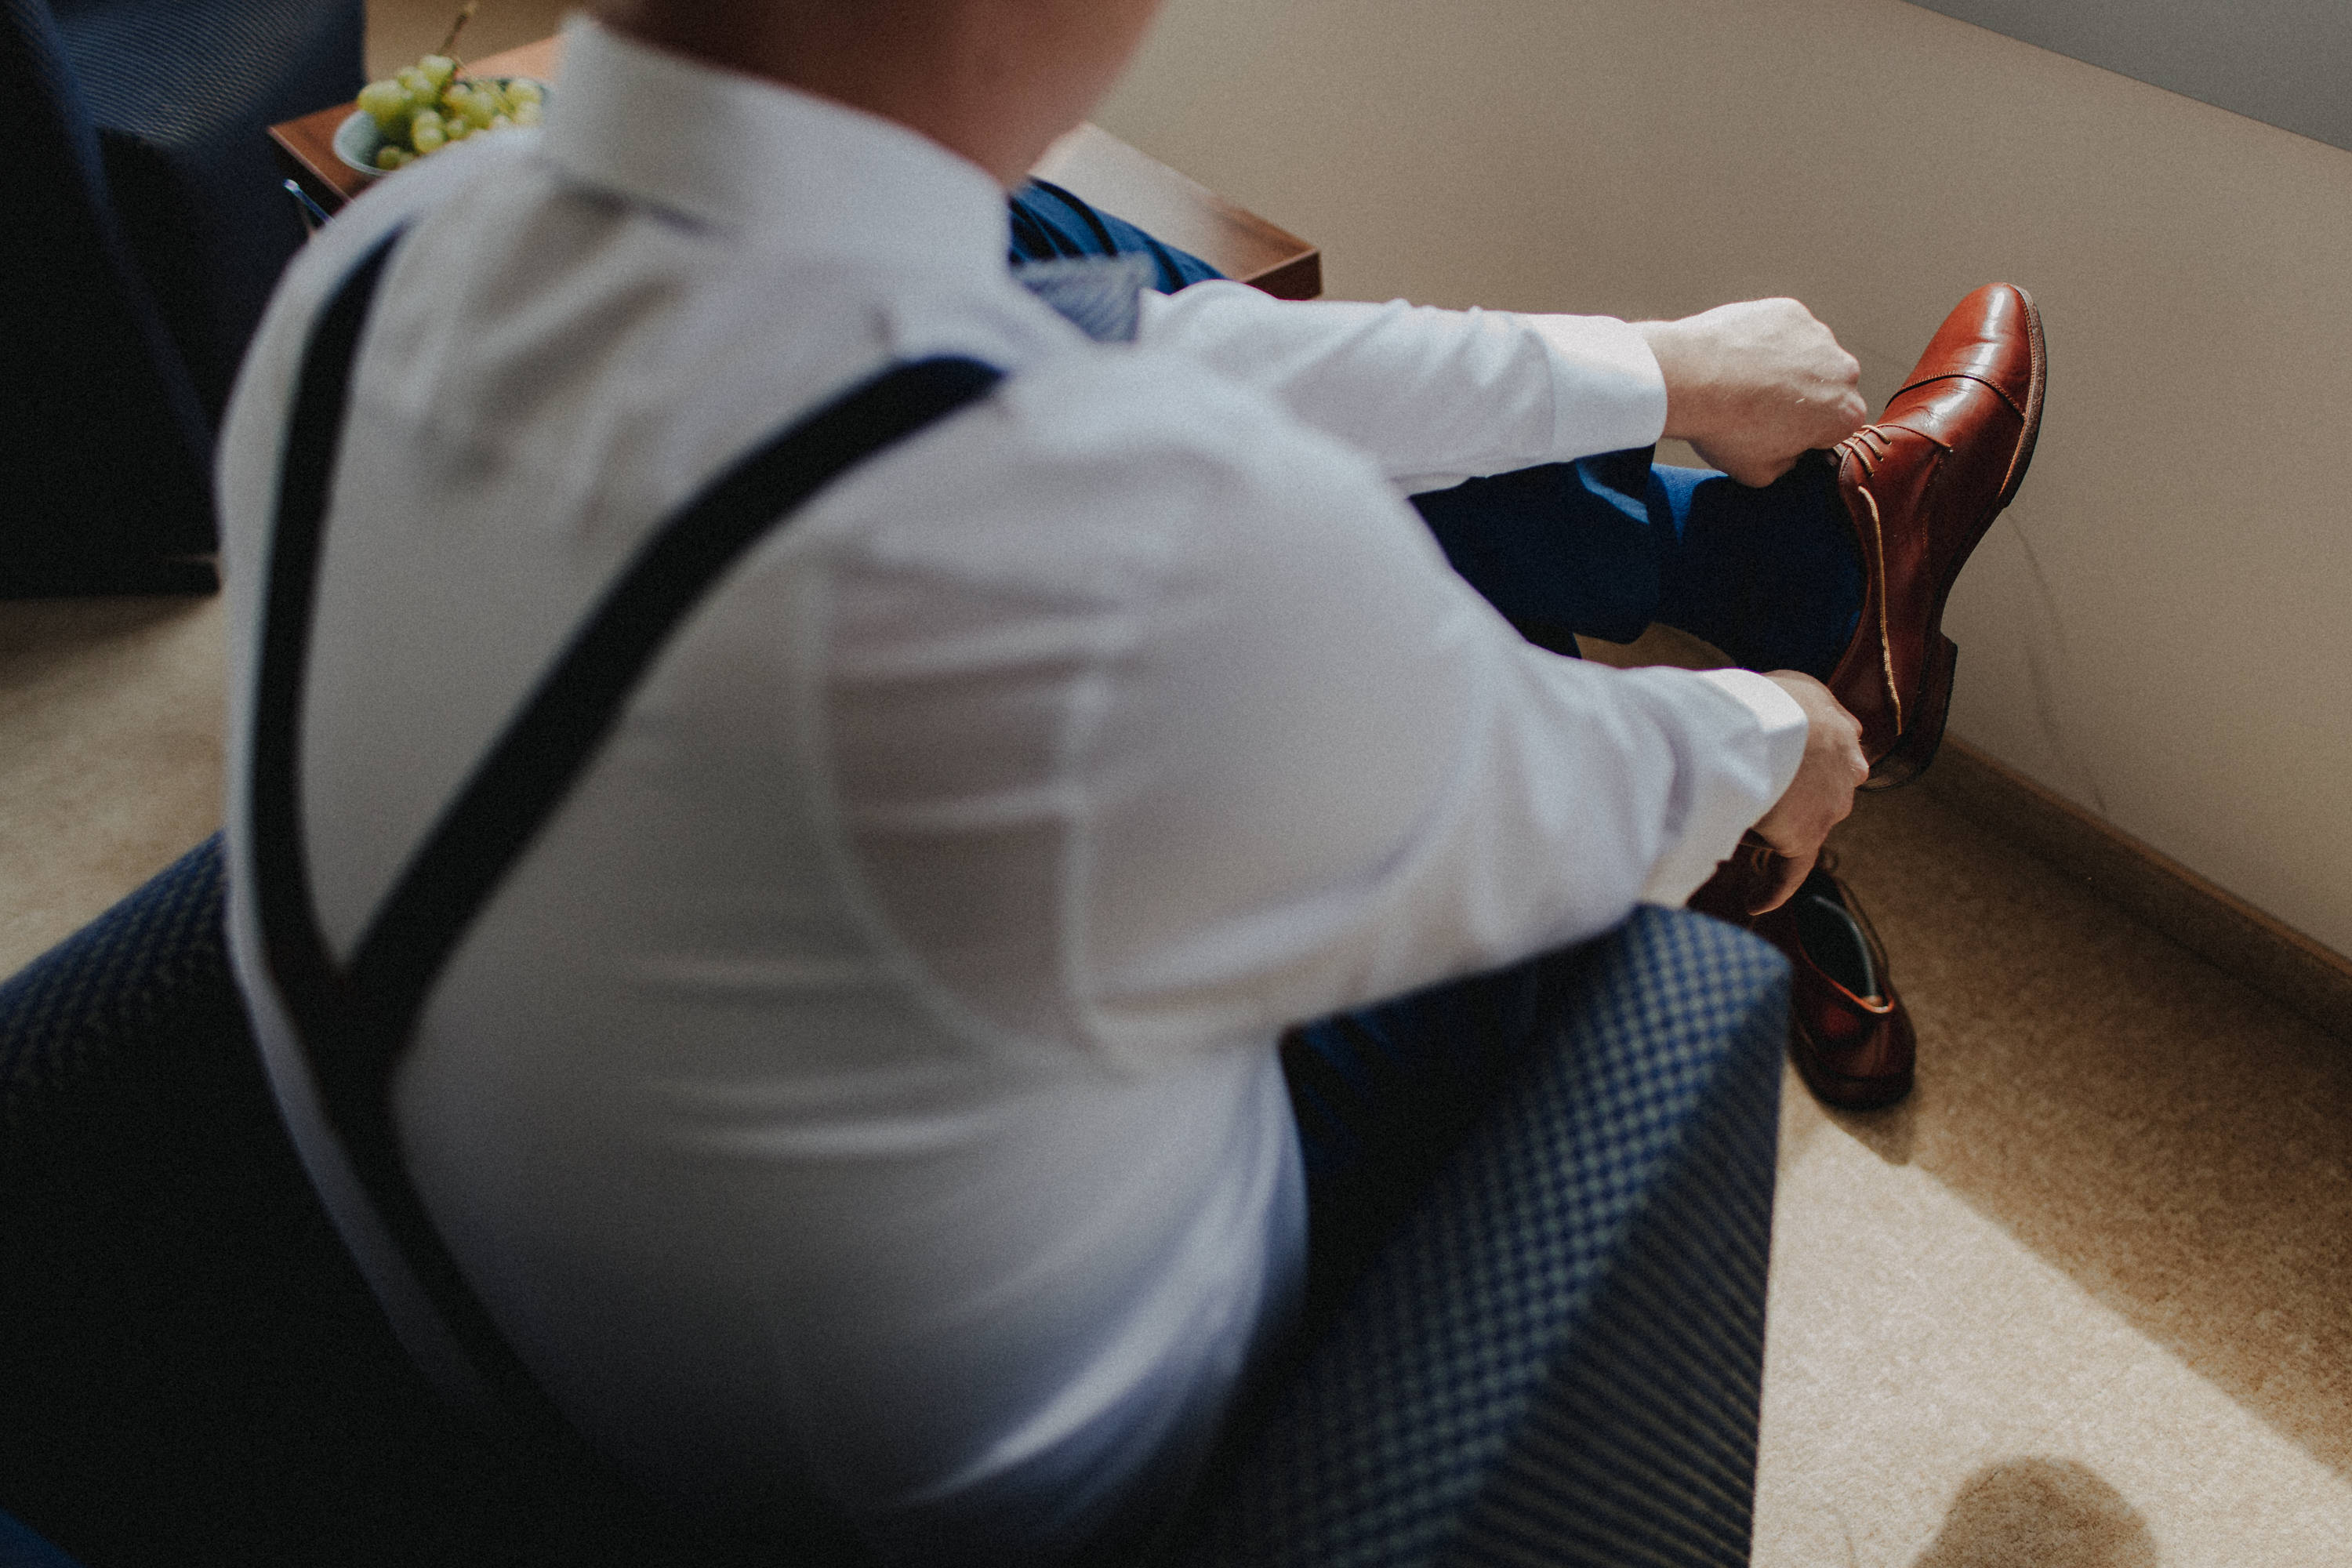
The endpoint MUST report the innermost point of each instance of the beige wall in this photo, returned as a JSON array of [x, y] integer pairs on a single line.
[[400, 30], [2158, 627]]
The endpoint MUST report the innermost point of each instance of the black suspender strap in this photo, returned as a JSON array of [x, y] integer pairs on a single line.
[[354, 1021]]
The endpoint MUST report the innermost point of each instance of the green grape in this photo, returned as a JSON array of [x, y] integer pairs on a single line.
[[422, 108], [385, 104]]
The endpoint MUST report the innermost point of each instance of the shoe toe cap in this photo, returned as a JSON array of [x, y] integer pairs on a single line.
[[1989, 338]]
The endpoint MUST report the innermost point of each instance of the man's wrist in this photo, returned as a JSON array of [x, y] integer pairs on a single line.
[[1670, 346]]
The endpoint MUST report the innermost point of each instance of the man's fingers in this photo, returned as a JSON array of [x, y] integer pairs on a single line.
[[1788, 873], [1764, 446], [1757, 475], [1849, 415]]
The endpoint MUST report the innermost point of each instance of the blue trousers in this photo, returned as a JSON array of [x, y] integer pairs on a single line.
[[1604, 548]]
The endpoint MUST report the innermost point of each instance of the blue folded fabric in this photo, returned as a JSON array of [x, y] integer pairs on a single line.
[[1102, 295]]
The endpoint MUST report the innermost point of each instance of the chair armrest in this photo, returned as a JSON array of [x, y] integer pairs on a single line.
[[1559, 1357]]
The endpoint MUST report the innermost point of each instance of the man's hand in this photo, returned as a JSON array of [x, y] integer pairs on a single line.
[[1754, 386], [1821, 796]]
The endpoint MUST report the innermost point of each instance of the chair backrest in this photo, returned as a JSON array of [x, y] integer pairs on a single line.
[[104, 449], [183, 94]]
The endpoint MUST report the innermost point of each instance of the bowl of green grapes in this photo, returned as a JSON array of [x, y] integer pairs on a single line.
[[421, 108]]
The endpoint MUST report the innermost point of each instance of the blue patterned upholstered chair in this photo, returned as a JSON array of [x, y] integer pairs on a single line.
[[20, 1548], [1558, 1360], [191, 1370], [146, 227]]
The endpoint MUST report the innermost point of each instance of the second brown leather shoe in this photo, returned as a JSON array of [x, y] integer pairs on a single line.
[[1850, 1036], [1921, 486]]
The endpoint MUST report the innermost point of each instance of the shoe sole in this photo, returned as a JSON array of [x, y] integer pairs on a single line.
[[1840, 1092], [1916, 747]]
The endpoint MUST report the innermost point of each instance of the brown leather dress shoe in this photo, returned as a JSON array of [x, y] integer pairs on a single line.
[[1921, 486], [1849, 1034]]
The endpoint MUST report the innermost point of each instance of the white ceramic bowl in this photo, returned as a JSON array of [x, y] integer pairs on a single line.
[[358, 140]]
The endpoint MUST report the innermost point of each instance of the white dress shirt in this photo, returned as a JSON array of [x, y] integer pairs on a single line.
[[866, 1081]]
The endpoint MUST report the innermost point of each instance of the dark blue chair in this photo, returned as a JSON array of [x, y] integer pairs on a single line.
[[1557, 1360], [146, 227], [191, 1370], [20, 1548]]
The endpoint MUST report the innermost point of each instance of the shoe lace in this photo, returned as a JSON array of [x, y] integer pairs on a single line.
[[1867, 445]]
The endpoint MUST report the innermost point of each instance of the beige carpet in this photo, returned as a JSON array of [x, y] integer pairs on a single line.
[[109, 754], [2086, 1300]]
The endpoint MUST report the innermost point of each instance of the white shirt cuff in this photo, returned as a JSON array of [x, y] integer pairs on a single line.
[[1777, 714], [1710, 837], [1608, 393]]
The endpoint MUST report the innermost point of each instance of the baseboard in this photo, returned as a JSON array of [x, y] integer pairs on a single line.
[[2310, 980]]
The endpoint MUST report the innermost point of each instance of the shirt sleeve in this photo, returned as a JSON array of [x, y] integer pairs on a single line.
[[1783, 725], [1259, 757], [1434, 396]]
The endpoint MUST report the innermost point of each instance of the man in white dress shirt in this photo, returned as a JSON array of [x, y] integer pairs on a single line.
[[866, 1083]]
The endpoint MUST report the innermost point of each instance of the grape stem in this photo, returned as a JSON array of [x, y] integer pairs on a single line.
[[449, 45]]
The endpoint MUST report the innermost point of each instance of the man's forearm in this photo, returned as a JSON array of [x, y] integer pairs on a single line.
[[1434, 396]]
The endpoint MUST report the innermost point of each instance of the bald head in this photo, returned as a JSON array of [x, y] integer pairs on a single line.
[[994, 81]]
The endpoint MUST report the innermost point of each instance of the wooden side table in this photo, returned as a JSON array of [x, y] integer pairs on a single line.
[[1089, 161]]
